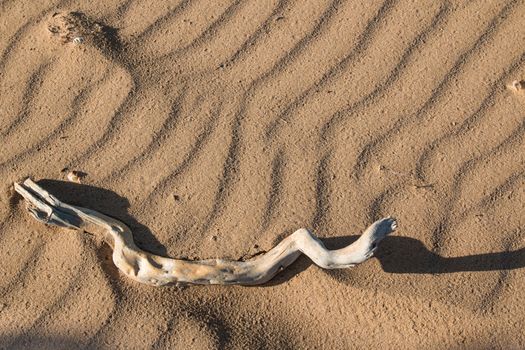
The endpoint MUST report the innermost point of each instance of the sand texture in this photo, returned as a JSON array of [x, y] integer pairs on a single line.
[[213, 129]]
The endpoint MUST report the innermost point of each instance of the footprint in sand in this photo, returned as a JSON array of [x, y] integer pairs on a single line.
[[79, 29]]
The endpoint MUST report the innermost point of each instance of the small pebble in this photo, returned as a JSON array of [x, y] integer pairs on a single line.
[[518, 85], [78, 40], [75, 176]]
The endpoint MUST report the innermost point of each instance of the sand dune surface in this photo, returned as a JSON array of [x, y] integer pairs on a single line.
[[216, 128]]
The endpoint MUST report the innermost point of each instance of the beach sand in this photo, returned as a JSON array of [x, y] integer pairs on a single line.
[[216, 128]]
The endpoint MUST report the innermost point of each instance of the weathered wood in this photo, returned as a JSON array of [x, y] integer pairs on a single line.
[[156, 270]]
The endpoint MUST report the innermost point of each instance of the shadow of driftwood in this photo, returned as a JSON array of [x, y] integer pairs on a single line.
[[106, 202], [29, 341], [400, 255], [404, 255], [408, 255]]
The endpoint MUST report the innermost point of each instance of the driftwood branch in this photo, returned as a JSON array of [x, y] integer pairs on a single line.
[[156, 270]]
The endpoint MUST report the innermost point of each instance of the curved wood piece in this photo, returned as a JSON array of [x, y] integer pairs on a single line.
[[156, 270]]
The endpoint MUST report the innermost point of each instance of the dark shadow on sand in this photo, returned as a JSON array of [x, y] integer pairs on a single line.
[[408, 255], [106, 202], [398, 255], [30, 341], [404, 255]]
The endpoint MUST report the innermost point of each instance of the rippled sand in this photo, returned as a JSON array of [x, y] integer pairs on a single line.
[[215, 128]]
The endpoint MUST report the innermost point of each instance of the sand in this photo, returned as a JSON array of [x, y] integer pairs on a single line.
[[216, 128]]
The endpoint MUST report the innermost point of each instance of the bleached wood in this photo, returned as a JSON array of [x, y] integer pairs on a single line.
[[156, 270]]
